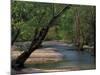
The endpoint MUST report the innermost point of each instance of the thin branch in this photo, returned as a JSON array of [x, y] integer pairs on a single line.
[[15, 37], [59, 14], [53, 10]]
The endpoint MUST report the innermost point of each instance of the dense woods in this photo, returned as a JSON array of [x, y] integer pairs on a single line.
[[69, 23], [29, 16]]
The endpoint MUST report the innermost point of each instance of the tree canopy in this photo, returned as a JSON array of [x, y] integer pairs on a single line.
[[31, 15]]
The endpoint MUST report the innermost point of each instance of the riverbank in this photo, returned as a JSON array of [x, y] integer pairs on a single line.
[[56, 56]]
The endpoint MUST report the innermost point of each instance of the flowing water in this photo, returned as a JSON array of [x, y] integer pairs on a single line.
[[72, 58]]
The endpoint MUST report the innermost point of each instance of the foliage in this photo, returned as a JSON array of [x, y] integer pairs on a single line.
[[31, 15]]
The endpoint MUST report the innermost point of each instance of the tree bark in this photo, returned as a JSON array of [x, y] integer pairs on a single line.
[[79, 42], [36, 42], [17, 32]]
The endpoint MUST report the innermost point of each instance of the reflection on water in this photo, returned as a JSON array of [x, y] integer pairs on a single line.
[[71, 58]]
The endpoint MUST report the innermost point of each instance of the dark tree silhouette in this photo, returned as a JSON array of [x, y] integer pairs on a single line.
[[36, 42], [15, 34]]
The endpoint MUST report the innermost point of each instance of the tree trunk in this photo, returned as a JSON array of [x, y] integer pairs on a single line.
[[36, 42], [79, 41], [16, 33]]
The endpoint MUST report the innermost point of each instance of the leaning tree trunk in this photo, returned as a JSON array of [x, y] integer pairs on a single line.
[[36, 42]]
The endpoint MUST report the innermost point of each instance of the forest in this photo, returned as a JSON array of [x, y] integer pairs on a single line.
[[35, 23]]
